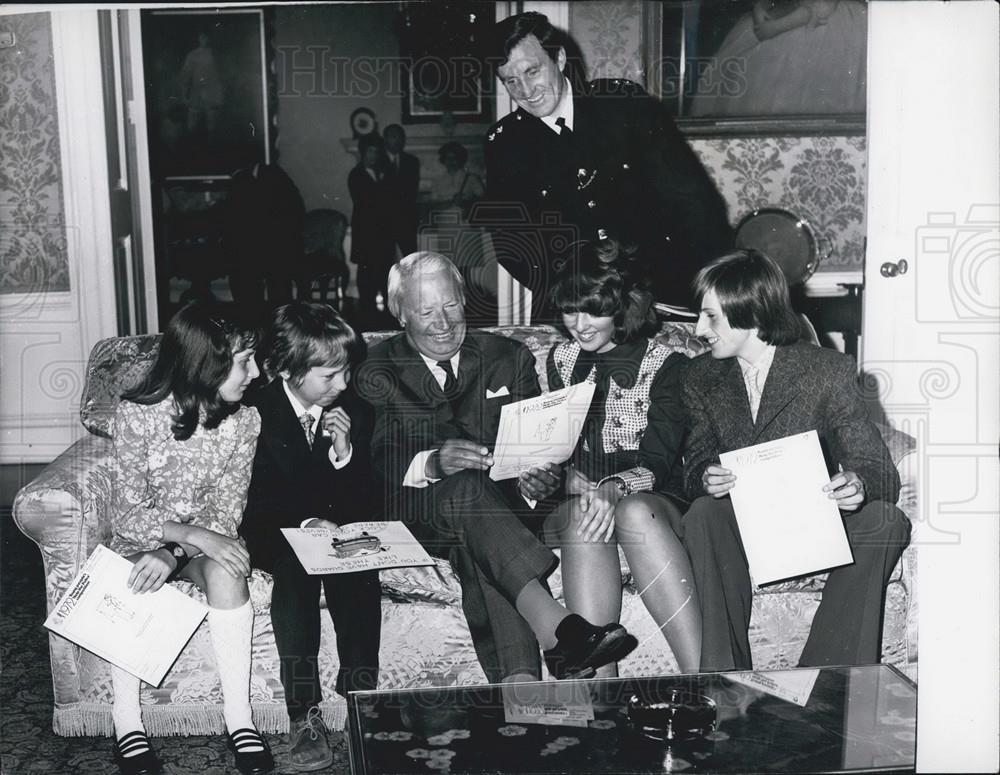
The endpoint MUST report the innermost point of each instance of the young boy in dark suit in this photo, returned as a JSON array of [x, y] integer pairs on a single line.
[[311, 469]]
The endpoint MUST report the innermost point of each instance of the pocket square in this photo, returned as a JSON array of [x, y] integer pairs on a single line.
[[499, 392]]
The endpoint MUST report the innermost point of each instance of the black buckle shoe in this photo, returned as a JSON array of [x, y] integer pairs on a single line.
[[145, 763], [251, 762], [580, 657]]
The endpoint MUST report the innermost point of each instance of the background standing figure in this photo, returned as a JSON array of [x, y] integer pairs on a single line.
[[403, 181], [263, 222], [455, 187], [372, 218]]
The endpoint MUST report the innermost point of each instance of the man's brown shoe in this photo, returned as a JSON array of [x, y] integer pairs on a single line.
[[310, 743]]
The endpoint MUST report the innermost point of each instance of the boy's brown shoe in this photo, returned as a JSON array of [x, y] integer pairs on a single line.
[[310, 743]]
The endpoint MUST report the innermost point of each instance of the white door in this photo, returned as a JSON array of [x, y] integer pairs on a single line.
[[931, 341]]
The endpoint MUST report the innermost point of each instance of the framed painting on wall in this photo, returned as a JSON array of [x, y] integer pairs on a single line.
[[442, 71], [207, 91], [760, 66]]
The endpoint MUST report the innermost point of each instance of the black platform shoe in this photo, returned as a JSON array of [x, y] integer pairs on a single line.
[[144, 763], [583, 647], [251, 762]]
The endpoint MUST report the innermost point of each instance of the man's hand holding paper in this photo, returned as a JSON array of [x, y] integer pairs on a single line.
[[540, 482], [539, 431], [847, 489]]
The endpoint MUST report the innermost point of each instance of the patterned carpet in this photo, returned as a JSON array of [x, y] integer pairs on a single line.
[[27, 743]]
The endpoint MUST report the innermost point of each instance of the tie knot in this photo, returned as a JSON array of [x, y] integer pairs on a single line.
[[561, 123], [446, 368]]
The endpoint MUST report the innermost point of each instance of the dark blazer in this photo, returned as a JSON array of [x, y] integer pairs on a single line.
[[402, 187], [371, 232], [807, 388], [291, 483], [412, 413], [627, 173]]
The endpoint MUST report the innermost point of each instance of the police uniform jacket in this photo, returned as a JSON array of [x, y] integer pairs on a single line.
[[626, 173]]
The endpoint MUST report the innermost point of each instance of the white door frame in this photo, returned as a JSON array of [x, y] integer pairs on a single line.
[[931, 344]]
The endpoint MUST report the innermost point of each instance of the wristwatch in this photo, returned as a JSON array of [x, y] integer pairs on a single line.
[[178, 553], [618, 482]]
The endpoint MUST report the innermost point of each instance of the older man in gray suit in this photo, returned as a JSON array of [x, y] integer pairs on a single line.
[[759, 384]]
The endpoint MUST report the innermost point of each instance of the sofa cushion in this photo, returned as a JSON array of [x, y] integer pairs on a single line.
[[115, 365]]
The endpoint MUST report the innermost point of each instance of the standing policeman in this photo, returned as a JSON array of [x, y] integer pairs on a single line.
[[607, 162]]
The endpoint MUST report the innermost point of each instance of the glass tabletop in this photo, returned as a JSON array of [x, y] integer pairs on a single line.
[[833, 719]]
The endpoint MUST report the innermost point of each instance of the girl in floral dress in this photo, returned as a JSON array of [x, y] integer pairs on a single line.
[[183, 451]]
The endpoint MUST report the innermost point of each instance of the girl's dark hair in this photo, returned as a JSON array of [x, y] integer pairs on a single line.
[[196, 356], [605, 280], [304, 334], [753, 293]]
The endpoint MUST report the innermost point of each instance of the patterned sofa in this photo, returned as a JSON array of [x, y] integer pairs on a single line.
[[424, 637]]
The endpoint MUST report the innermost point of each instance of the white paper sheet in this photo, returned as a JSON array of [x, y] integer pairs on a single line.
[[142, 634], [355, 547], [556, 703], [540, 430], [789, 526], [793, 685]]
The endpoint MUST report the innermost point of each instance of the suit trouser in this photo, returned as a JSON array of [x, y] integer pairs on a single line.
[[847, 627], [354, 601], [467, 518]]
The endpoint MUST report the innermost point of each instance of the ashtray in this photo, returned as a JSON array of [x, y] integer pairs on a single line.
[[672, 714]]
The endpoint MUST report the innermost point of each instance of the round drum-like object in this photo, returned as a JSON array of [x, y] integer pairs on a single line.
[[785, 238]]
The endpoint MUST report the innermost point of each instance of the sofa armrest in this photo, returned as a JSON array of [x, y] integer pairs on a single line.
[[63, 510]]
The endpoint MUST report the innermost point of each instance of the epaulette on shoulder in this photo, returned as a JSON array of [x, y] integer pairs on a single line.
[[616, 87], [504, 123]]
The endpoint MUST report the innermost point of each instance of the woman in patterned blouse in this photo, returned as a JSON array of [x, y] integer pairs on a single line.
[[183, 451], [630, 445]]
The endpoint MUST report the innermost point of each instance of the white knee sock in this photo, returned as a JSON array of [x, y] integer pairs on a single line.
[[231, 630], [125, 710]]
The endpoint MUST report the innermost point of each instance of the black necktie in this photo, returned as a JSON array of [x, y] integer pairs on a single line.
[[450, 381], [565, 133]]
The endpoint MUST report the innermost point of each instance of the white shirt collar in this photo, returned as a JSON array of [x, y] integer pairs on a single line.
[[315, 410], [436, 370], [762, 364], [563, 110]]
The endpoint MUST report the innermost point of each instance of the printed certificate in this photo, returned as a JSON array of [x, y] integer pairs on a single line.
[[540, 430], [142, 634], [789, 526], [355, 547]]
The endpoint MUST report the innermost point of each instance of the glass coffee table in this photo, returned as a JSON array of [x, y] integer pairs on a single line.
[[834, 719]]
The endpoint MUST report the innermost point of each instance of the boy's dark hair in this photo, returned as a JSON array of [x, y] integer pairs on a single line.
[[305, 334], [597, 279], [195, 357], [753, 293]]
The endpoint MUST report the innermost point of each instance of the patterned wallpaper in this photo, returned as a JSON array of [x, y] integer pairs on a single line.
[[32, 223], [610, 36], [821, 179]]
